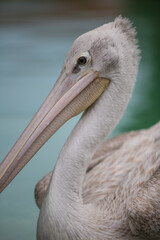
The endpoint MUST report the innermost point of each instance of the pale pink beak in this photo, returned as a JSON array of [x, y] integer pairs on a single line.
[[51, 115]]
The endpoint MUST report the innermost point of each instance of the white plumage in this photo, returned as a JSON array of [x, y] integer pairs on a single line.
[[97, 190]]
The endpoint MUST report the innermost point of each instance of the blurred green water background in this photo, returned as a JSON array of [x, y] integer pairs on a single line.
[[34, 39]]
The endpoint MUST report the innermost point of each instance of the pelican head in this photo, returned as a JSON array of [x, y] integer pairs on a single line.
[[98, 59]]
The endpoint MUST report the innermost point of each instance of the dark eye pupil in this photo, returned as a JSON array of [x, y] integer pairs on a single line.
[[82, 60]]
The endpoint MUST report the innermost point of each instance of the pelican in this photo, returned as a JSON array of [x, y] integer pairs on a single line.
[[98, 190]]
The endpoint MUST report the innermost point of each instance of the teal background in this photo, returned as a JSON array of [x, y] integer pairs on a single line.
[[34, 39]]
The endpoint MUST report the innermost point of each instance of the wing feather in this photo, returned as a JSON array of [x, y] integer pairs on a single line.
[[143, 211]]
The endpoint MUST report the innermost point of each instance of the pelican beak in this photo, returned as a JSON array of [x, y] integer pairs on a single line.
[[69, 97]]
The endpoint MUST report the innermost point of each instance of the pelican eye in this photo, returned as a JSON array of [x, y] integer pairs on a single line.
[[82, 60]]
